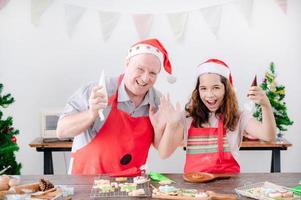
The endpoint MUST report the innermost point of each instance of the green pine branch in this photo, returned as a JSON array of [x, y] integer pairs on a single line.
[[6, 99], [276, 95], [7, 134]]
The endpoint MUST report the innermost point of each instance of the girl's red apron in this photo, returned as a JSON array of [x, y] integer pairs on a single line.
[[119, 148], [208, 151]]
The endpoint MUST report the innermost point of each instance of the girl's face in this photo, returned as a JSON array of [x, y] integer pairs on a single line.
[[212, 91]]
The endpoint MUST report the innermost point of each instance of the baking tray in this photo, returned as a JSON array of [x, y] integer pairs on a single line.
[[248, 191], [97, 194]]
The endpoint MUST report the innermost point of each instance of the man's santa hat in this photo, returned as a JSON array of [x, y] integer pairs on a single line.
[[214, 66], [154, 47]]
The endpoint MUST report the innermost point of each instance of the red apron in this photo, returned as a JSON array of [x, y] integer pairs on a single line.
[[208, 151], [119, 148]]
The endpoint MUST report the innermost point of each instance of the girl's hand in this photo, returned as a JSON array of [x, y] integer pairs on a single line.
[[257, 95], [166, 113], [170, 113], [157, 119]]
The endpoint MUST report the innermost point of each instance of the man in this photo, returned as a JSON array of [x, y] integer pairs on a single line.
[[118, 145]]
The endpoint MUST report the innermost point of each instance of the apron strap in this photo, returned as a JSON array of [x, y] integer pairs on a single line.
[[220, 138], [113, 98]]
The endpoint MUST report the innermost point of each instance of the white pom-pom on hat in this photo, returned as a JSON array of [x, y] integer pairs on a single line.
[[171, 79]]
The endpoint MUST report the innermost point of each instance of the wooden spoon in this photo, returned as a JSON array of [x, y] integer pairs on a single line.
[[202, 177], [211, 196]]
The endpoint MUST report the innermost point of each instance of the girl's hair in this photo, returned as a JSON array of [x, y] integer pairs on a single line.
[[229, 107]]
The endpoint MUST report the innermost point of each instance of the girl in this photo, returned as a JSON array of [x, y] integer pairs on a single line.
[[214, 126]]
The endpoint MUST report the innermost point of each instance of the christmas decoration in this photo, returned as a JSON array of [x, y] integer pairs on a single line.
[[14, 139], [8, 145], [276, 94], [45, 185]]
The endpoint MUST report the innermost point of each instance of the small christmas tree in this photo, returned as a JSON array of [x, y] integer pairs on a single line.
[[8, 141], [276, 94]]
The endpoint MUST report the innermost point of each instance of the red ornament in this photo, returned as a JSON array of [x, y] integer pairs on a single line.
[[14, 139]]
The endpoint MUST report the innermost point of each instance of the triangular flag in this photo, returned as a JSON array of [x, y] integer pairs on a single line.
[[38, 7], [108, 21], [72, 16], [282, 4], [212, 16], [3, 3], [178, 23], [246, 8], [143, 23]]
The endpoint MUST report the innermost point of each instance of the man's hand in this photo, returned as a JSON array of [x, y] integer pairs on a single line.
[[98, 100]]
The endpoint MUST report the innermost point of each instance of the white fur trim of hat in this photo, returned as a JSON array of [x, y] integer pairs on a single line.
[[215, 66], [145, 48]]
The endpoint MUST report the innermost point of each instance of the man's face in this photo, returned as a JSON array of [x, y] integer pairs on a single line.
[[141, 73]]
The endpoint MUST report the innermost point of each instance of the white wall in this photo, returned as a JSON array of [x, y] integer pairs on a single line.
[[41, 67]]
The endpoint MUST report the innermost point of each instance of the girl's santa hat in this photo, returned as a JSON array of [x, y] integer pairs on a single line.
[[154, 47], [214, 66]]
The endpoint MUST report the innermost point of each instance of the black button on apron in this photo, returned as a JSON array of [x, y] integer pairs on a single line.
[[126, 159]]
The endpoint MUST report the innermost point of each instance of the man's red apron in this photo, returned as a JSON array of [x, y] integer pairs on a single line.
[[208, 151], [120, 147]]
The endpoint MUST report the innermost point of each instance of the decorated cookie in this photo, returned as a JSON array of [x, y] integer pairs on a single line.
[[201, 195], [140, 179], [275, 195], [121, 179], [170, 190], [101, 181], [105, 188], [189, 192], [166, 182], [128, 187], [287, 194], [138, 192]]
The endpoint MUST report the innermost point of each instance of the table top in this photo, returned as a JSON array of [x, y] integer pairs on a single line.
[[38, 143], [260, 143], [82, 184]]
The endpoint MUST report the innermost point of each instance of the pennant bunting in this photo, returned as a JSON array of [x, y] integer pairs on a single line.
[[212, 16], [3, 3], [72, 16], [282, 4], [143, 23], [246, 8], [178, 23], [108, 21], [38, 7]]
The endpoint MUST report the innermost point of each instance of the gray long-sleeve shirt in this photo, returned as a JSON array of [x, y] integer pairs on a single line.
[[80, 102]]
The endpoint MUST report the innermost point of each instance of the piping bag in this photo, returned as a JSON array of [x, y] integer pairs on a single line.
[[103, 90], [155, 176], [250, 106], [254, 83]]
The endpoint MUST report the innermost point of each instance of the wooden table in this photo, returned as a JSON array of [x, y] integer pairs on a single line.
[[275, 147], [82, 184], [48, 148]]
